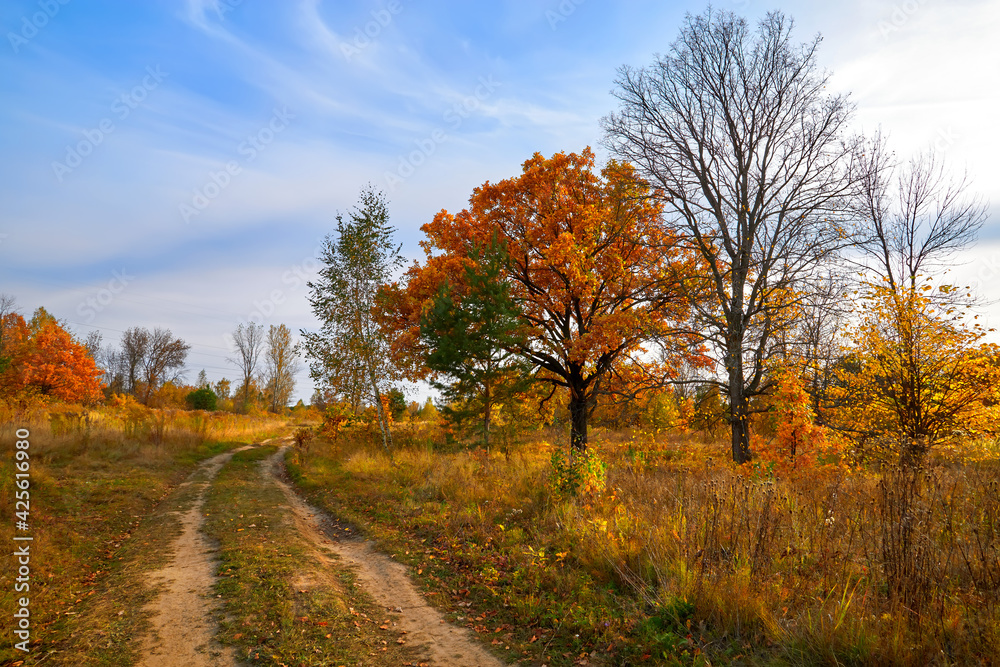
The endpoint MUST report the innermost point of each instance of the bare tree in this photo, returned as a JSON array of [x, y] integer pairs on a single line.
[[93, 344], [8, 305], [134, 345], [280, 367], [248, 341], [750, 153], [916, 217], [164, 360], [143, 361]]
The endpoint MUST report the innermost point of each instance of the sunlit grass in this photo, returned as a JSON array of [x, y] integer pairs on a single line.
[[684, 556]]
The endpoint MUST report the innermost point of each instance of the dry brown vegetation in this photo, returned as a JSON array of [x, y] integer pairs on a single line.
[[671, 554]]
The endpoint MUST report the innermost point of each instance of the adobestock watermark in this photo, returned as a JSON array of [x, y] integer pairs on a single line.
[[899, 16], [33, 23], [122, 107], [562, 12], [408, 163], [292, 280], [98, 301], [364, 36], [944, 139], [248, 149], [987, 272], [223, 7], [22, 552]]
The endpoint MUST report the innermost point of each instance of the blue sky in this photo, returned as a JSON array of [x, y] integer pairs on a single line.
[[176, 162]]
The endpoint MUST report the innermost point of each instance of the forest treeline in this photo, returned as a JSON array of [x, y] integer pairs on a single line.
[[42, 361]]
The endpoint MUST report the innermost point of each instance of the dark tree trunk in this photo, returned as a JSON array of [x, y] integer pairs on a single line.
[[578, 421], [738, 421]]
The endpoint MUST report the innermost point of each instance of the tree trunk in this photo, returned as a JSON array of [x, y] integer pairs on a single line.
[[578, 421], [383, 422], [738, 402], [740, 427], [486, 417]]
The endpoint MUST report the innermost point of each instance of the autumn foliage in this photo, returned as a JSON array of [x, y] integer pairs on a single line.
[[42, 359], [792, 440], [593, 267], [916, 375]]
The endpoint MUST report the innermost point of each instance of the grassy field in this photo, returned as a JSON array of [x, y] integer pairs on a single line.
[[655, 550], [98, 479], [668, 554]]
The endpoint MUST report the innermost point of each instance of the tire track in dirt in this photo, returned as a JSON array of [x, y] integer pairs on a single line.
[[385, 580], [183, 627]]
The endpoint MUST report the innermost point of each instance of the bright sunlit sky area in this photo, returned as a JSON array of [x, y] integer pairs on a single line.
[[176, 163]]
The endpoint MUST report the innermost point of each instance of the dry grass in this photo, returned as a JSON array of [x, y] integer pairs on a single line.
[[683, 556]]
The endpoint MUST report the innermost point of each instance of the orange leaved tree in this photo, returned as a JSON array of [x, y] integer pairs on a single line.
[[44, 359], [595, 272]]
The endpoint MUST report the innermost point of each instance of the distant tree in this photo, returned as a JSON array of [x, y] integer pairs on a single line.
[[164, 360], [8, 307], [397, 403], [349, 355], [222, 388], [280, 367], [251, 395], [202, 399], [737, 131], [248, 343], [320, 399], [473, 333], [131, 357], [202, 381], [15, 336], [93, 344], [428, 412]]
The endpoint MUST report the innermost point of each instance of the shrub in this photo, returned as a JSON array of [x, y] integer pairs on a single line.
[[582, 472], [202, 399]]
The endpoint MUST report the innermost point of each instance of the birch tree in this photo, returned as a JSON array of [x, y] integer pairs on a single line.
[[349, 355], [248, 343], [280, 366]]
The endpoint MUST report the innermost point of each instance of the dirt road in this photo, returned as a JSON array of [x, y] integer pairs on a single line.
[[183, 629], [182, 615], [385, 580]]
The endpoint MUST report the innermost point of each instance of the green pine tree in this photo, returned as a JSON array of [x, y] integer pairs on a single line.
[[473, 333]]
